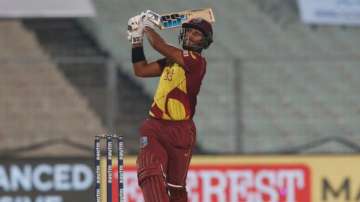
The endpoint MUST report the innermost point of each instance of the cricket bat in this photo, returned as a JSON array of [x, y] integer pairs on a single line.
[[176, 19]]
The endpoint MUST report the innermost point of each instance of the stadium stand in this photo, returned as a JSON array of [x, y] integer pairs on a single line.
[[296, 84], [39, 109], [84, 64], [109, 28]]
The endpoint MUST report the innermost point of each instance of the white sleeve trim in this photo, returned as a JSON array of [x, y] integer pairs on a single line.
[[174, 185]]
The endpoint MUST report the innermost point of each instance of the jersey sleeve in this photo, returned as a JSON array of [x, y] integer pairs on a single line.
[[191, 60]]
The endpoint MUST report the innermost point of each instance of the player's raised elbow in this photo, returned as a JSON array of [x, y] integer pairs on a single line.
[[138, 70], [139, 73], [143, 69]]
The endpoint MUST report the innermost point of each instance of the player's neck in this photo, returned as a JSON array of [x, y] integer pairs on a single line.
[[194, 50]]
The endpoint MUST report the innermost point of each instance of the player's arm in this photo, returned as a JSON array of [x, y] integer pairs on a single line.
[[160, 45], [141, 67], [144, 69]]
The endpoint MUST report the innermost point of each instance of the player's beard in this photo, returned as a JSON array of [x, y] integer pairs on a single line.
[[189, 45]]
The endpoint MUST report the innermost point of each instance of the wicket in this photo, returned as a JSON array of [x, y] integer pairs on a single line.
[[110, 140]]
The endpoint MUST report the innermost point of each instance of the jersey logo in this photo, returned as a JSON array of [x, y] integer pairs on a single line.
[[143, 142]]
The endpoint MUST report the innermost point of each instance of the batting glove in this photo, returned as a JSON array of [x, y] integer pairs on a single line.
[[151, 19], [135, 30]]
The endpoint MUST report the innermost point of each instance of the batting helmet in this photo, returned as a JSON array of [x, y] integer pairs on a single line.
[[203, 26]]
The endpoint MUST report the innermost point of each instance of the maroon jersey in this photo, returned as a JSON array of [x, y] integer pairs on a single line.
[[176, 94]]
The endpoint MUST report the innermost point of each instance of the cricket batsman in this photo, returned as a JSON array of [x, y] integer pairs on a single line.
[[168, 135]]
